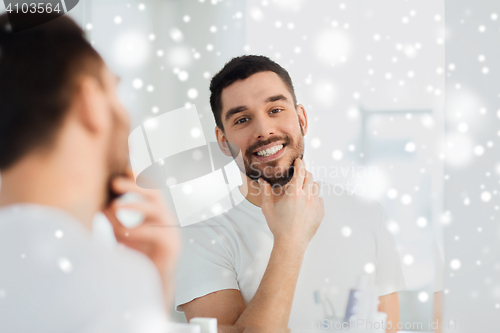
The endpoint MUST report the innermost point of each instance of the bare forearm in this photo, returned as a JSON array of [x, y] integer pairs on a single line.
[[271, 305]]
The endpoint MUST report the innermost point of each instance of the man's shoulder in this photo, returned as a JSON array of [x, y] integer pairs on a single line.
[[66, 244]]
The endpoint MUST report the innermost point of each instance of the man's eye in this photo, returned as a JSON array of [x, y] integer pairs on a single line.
[[241, 121], [276, 110]]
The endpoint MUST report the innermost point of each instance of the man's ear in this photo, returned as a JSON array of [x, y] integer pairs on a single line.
[[222, 141], [301, 112], [89, 105]]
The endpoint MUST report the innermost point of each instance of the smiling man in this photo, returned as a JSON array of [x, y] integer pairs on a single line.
[[259, 264]]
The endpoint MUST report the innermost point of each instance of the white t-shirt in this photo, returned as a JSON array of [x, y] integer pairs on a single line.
[[232, 250], [55, 278]]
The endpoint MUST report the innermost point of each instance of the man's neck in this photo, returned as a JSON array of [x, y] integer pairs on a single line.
[[56, 181]]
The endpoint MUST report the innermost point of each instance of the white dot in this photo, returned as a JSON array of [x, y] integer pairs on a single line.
[[455, 264], [494, 16], [192, 93], [176, 35], [141, 6], [463, 127], [195, 132], [411, 74], [393, 227], [297, 50], [410, 147], [485, 70], [183, 75], [481, 28], [171, 181], [479, 150], [437, 18], [421, 222], [210, 47], [88, 26], [337, 155], [59, 233], [388, 76], [346, 232], [376, 37], [406, 199], [405, 20], [290, 26], [197, 155], [486, 196], [466, 201], [369, 268], [160, 53], [187, 189], [277, 24], [451, 67], [392, 193], [213, 29], [152, 36], [408, 259], [481, 58], [315, 143], [256, 14], [423, 296], [137, 83], [206, 75], [65, 265], [150, 88], [155, 109], [118, 19], [186, 18]]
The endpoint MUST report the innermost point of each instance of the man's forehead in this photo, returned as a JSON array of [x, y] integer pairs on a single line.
[[254, 90]]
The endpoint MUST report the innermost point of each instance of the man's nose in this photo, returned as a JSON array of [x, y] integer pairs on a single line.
[[264, 128]]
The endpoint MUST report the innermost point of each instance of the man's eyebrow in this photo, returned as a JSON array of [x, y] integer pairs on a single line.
[[232, 111], [276, 98]]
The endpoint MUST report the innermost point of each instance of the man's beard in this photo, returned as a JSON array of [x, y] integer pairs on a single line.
[[272, 173], [117, 163]]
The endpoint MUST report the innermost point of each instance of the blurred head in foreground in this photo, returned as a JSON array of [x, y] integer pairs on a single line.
[[59, 106]]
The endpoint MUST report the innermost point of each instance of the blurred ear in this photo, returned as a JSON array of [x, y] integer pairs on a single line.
[[301, 112], [222, 141], [89, 105]]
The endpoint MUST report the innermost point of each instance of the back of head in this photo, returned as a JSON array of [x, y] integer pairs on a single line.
[[240, 68], [39, 73]]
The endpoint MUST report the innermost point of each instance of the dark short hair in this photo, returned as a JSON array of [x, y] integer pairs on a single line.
[[240, 68], [39, 73]]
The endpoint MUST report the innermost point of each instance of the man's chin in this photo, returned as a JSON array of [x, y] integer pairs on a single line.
[[275, 176]]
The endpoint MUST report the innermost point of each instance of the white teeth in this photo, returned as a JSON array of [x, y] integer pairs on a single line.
[[270, 151]]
